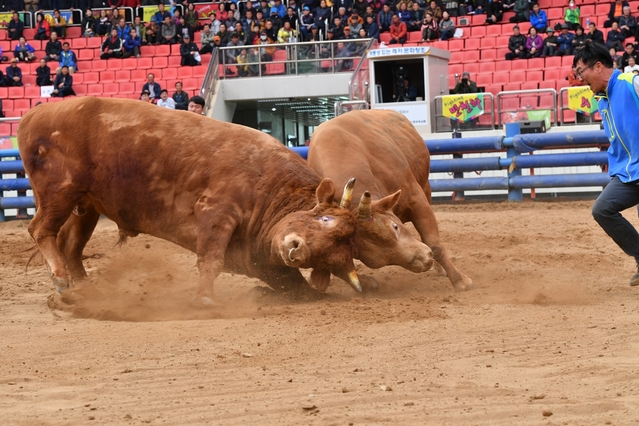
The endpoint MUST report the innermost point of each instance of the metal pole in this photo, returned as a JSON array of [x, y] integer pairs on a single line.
[[458, 195], [514, 195]]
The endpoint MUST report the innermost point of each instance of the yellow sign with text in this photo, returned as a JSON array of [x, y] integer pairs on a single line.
[[581, 99], [463, 108], [149, 11]]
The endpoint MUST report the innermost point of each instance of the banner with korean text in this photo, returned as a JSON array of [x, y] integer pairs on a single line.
[[581, 99], [463, 108]]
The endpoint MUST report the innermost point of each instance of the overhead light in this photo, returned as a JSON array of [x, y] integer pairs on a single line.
[[273, 109]]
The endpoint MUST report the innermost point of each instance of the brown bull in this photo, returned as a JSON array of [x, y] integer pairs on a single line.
[[386, 154], [233, 195]]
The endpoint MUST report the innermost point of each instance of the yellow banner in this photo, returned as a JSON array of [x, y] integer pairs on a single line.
[[4, 19], [581, 99], [149, 11], [463, 108]]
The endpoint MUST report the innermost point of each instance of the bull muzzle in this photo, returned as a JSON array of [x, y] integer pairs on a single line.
[[294, 250]]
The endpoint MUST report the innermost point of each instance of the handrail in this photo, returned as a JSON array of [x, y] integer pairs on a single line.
[[352, 84], [210, 82], [525, 92], [440, 97]]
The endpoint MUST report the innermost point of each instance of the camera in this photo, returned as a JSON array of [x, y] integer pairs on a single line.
[[400, 75]]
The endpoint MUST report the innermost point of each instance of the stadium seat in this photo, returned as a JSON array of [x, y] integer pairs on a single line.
[[74, 32], [440, 44], [91, 77], [456, 58], [101, 64], [414, 36], [175, 49], [95, 89], [478, 32], [486, 66], [489, 55], [547, 84], [555, 14], [536, 64], [160, 61], [122, 75], [80, 89], [139, 75], [471, 67], [455, 69], [484, 79], [165, 50], [566, 61], [488, 43], [519, 65], [493, 88], [85, 54], [16, 92], [534, 75], [186, 72], [501, 77], [455, 45], [175, 61], [127, 87], [169, 73], [111, 88], [32, 92], [94, 42], [129, 64], [493, 30], [78, 78], [199, 71], [114, 64], [552, 62], [5, 129], [78, 43], [147, 51], [145, 62], [385, 37], [530, 85], [107, 76], [552, 74], [510, 87], [472, 43], [22, 104]]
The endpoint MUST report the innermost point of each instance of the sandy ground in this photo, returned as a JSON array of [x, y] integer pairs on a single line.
[[550, 336]]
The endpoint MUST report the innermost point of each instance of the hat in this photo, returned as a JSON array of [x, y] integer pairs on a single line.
[[347, 28], [263, 32], [274, 10], [217, 38], [235, 35], [465, 74], [550, 30], [307, 8], [186, 36], [354, 12], [564, 27]]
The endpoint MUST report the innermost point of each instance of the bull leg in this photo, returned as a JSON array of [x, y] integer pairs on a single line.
[[75, 234], [50, 216], [423, 218], [214, 230]]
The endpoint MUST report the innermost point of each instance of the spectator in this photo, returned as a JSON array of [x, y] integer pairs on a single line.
[[180, 97], [398, 31], [342, 52], [403, 13], [181, 29], [43, 74], [291, 17], [564, 42], [286, 34], [522, 11], [42, 28], [538, 18], [550, 43], [346, 4], [322, 15], [494, 12], [168, 32], [337, 28], [215, 23], [266, 52], [53, 49], [131, 45], [480, 7], [192, 19], [63, 84], [277, 21], [446, 27], [232, 54], [123, 29], [248, 21], [58, 24], [67, 59], [616, 10], [103, 24], [115, 17], [225, 36], [629, 52], [360, 7], [579, 42], [144, 97], [571, 16], [112, 46], [152, 87], [307, 23], [465, 84], [348, 35], [615, 38], [190, 53], [254, 58], [416, 18], [140, 29], [14, 74], [632, 66], [616, 58], [516, 45], [385, 18], [627, 23], [452, 7], [372, 29], [430, 29], [24, 51], [534, 44], [197, 104], [152, 33], [165, 101], [242, 63], [594, 35], [15, 28], [206, 40], [341, 14], [355, 23], [435, 10], [89, 24]]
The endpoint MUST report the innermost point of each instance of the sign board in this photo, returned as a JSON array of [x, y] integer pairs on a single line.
[[463, 108], [581, 99], [398, 51], [417, 113], [45, 91]]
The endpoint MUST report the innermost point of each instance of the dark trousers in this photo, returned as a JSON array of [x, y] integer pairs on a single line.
[[127, 54], [512, 55], [106, 55], [206, 49], [616, 197], [401, 41]]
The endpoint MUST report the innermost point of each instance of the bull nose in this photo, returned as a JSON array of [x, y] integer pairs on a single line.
[[422, 262], [294, 250]]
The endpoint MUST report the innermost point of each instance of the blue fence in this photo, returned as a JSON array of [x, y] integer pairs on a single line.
[[513, 143]]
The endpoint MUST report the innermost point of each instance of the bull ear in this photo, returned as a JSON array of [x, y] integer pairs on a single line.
[[320, 278], [325, 192], [387, 203]]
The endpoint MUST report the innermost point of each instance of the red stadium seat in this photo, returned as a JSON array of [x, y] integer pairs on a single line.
[[169, 73], [190, 83], [139, 75], [487, 67], [552, 62], [122, 75], [175, 61], [16, 92], [536, 64], [471, 44], [175, 49], [78, 43], [186, 72], [509, 87], [127, 88], [144, 63], [199, 71], [455, 69], [160, 62], [114, 64], [111, 89], [101, 64], [455, 45], [547, 84], [414, 36], [21, 104], [32, 92], [493, 30], [501, 77], [530, 85], [129, 64], [91, 77], [147, 51], [488, 43], [107, 76], [94, 42], [534, 75], [484, 79], [488, 55], [478, 32], [85, 54], [162, 50]]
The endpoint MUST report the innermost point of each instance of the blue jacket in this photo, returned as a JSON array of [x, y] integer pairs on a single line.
[[14, 72], [27, 47], [620, 123], [539, 21], [69, 59], [131, 43], [373, 30], [564, 42], [123, 33]]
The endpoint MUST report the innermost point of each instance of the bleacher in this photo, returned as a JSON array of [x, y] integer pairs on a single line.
[[480, 51]]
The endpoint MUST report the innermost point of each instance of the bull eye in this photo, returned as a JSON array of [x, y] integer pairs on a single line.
[[396, 228], [326, 219]]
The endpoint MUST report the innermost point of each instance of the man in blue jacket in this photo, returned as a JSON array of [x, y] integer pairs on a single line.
[[14, 74], [538, 19], [618, 96], [564, 42]]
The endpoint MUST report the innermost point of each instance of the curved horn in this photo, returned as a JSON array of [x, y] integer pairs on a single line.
[[353, 281], [364, 210], [348, 194]]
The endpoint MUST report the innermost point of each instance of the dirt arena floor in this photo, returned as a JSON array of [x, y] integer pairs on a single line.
[[550, 336]]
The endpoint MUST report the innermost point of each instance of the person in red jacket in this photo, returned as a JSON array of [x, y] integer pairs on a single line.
[[398, 31], [127, 3]]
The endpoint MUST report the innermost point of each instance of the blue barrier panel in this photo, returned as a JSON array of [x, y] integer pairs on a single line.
[[11, 166], [558, 181], [533, 141], [561, 160], [14, 184], [477, 144], [9, 153], [302, 151], [465, 165], [477, 184], [16, 203]]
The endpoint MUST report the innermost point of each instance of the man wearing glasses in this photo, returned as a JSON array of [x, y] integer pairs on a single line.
[[618, 96]]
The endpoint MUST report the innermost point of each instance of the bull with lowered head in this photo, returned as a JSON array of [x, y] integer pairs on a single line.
[[387, 156], [233, 195]]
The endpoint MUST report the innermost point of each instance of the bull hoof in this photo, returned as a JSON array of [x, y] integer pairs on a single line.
[[60, 284], [369, 284], [204, 302], [464, 284]]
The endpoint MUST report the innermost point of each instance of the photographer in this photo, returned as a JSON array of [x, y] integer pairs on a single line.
[[405, 92], [465, 84]]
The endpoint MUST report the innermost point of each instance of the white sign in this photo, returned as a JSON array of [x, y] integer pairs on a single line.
[[397, 51], [45, 91], [416, 113]]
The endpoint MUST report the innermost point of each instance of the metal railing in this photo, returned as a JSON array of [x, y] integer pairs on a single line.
[[359, 83], [210, 82], [439, 113], [520, 93]]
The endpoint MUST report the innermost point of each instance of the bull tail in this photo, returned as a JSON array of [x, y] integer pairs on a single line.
[[33, 255]]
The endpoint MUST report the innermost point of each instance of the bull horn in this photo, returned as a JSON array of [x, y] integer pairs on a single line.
[[348, 194], [353, 281], [364, 210]]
